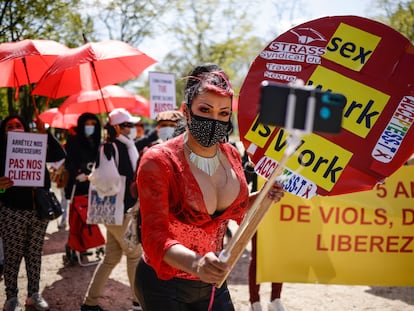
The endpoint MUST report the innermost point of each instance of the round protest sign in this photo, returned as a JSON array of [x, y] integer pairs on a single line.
[[371, 65]]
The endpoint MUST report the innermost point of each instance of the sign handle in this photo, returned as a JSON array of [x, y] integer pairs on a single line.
[[233, 250]]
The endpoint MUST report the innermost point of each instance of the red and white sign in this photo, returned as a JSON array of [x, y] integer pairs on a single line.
[[372, 65], [26, 158], [162, 92]]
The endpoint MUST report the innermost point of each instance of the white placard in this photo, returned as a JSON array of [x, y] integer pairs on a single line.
[[162, 92], [26, 158]]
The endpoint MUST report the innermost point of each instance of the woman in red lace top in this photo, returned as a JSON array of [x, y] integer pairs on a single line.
[[189, 188]]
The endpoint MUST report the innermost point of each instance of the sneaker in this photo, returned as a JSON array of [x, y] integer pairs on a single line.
[[91, 308], [136, 306], [276, 305], [37, 302], [12, 304], [256, 306]]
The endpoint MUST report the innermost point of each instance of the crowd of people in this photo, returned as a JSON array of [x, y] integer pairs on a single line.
[[183, 176]]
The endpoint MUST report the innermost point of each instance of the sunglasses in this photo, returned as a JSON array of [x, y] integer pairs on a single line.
[[126, 124]]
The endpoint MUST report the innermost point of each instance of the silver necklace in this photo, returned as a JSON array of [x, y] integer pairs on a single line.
[[207, 165]]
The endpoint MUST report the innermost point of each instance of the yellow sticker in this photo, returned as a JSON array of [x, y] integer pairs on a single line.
[[259, 133], [351, 47], [364, 104], [315, 158]]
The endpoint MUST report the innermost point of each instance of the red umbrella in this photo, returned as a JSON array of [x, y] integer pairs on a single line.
[[142, 106], [93, 101], [25, 61], [92, 66], [55, 118]]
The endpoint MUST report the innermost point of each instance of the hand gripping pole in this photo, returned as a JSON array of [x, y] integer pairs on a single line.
[[233, 250]]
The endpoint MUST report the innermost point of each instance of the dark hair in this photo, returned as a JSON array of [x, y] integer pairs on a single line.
[[3, 138], [207, 77], [7, 119], [111, 131], [80, 130]]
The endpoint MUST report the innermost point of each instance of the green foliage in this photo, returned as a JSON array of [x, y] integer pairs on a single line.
[[57, 20], [211, 31], [403, 19], [130, 21], [399, 15]]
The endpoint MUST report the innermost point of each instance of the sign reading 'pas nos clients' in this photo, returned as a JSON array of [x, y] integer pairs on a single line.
[[368, 62]]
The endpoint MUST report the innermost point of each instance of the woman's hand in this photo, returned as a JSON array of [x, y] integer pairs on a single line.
[[5, 182], [210, 269], [40, 125], [275, 193]]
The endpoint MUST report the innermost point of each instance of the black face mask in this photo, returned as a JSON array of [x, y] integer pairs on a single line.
[[207, 131]]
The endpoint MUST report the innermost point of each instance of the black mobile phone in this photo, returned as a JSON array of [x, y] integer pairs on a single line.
[[301, 107]]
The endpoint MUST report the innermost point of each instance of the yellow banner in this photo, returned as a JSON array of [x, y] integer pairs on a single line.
[[364, 238]]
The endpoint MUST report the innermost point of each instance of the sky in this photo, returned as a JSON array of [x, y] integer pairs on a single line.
[[321, 8], [312, 10]]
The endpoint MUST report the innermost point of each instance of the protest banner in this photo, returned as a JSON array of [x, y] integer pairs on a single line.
[[364, 60], [26, 158], [162, 92], [368, 62], [362, 238]]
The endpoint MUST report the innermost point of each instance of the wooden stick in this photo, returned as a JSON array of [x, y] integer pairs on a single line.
[[232, 252]]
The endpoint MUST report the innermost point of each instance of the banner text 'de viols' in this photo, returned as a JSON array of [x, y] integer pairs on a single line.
[[363, 238], [369, 63]]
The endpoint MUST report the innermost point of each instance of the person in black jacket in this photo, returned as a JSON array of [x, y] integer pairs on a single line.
[[126, 157], [82, 150], [22, 231]]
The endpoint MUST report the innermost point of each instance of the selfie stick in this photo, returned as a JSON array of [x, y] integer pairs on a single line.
[[233, 250]]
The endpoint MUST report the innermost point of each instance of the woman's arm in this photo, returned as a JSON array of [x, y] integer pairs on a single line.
[[153, 189], [207, 268]]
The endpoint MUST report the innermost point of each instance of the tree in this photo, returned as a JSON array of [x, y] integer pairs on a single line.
[[398, 15], [57, 20], [210, 31], [39, 19], [402, 19], [130, 21]]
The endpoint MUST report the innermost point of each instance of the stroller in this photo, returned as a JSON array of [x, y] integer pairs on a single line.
[[83, 237]]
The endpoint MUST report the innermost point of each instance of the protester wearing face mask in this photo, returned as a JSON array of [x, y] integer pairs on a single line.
[[133, 132], [166, 123], [140, 129], [121, 146], [189, 187], [22, 231], [81, 150]]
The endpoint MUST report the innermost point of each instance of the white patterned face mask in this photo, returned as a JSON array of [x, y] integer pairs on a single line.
[[166, 132], [207, 132]]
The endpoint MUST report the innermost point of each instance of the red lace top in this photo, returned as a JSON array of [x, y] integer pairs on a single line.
[[173, 209]]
